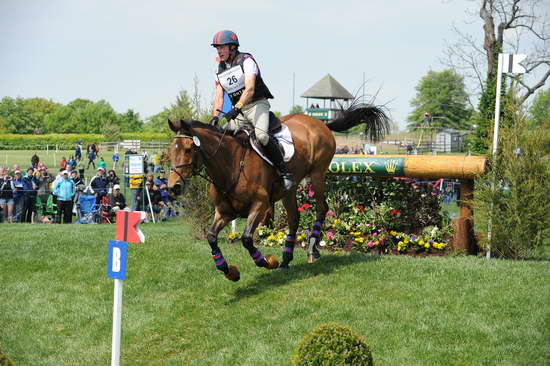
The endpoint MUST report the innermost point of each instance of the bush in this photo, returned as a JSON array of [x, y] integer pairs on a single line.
[[332, 344], [4, 360], [197, 204], [512, 200]]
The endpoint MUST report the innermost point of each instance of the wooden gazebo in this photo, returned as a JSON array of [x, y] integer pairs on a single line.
[[326, 89]]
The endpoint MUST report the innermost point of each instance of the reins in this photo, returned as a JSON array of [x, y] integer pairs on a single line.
[[208, 178]]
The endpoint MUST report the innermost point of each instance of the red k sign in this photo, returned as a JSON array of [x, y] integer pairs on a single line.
[[127, 226]]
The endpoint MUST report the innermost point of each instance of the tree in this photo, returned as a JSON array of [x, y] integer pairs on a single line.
[[130, 121], [510, 26], [24, 116], [181, 109], [297, 109], [442, 96], [81, 116], [540, 109]]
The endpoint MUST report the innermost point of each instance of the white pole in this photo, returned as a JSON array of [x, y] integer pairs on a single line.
[[233, 226], [117, 319], [150, 204], [495, 138]]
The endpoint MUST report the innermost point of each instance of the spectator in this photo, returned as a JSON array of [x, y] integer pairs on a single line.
[[155, 160], [116, 199], [6, 195], [155, 200], [98, 184], [35, 160], [112, 178], [102, 164], [30, 184], [64, 190], [18, 195], [91, 159], [44, 181], [71, 164], [116, 158], [80, 168], [162, 184], [78, 151], [63, 163]]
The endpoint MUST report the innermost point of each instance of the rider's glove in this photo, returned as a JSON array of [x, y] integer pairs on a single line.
[[214, 121], [233, 113]]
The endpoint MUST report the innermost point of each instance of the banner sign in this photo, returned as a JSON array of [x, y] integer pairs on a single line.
[[373, 166], [135, 164]]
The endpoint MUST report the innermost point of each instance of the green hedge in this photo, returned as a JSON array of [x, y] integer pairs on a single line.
[[67, 141]]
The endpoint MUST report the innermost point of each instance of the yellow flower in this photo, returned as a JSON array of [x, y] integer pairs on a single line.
[[407, 241], [393, 233], [427, 245], [300, 238], [421, 242], [400, 243], [359, 239]]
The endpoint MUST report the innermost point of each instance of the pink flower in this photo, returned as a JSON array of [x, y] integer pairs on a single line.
[[374, 234], [330, 213], [330, 235], [370, 244], [311, 193]]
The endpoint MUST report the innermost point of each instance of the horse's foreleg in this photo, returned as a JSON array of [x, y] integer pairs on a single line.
[[293, 219], [321, 208], [256, 215], [230, 272]]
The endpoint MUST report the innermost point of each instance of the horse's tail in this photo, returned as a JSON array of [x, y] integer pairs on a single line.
[[377, 123]]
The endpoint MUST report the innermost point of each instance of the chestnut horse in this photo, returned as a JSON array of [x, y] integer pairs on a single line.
[[244, 185]]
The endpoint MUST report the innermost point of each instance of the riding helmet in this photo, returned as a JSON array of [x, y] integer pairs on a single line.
[[225, 37]]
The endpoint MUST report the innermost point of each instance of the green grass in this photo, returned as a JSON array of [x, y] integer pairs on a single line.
[[56, 303]]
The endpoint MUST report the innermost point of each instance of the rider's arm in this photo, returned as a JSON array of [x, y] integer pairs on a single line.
[[218, 100], [249, 84]]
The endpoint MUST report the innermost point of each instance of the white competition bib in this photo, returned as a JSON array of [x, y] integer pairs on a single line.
[[232, 80]]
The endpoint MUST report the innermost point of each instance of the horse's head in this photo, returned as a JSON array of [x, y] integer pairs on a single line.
[[183, 155]]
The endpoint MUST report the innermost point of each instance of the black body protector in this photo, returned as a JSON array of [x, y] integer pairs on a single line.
[[231, 78]]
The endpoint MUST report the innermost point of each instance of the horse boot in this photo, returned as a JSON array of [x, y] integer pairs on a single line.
[[275, 155]]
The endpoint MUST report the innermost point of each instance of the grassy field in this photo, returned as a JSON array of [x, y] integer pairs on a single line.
[[56, 303]]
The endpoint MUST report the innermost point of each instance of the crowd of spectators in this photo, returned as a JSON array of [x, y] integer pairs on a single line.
[[39, 194]]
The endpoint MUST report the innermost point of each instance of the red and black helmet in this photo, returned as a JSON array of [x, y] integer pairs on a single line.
[[225, 37]]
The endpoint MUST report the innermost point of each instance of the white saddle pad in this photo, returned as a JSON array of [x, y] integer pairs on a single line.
[[284, 137]]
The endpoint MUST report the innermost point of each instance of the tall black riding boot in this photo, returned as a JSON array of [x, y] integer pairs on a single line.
[[275, 155]]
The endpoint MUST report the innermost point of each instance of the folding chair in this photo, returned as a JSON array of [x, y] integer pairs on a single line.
[[87, 213]]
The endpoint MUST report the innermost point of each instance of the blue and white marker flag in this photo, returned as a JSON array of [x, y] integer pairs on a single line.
[[116, 263]]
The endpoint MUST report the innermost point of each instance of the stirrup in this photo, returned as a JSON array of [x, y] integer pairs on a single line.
[[288, 182]]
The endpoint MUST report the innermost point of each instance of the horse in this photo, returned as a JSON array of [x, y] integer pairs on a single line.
[[244, 185]]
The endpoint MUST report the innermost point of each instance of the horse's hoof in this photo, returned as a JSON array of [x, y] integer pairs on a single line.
[[272, 262], [311, 258], [233, 274]]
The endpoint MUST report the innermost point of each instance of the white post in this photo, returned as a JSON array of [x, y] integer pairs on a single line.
[[117, 319], [495, 139], [150, 204], [233, 226]]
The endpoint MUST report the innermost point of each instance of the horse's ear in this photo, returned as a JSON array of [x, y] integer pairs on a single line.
[[174, 126]]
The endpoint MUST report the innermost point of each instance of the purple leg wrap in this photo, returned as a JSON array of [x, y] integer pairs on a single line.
[[317, 226], [219, 260], [258, 257], [290, 241]]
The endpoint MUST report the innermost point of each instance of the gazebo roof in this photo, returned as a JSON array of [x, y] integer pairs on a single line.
[[328, 88]]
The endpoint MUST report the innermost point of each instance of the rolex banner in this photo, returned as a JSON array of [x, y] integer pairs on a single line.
[[374, 166]]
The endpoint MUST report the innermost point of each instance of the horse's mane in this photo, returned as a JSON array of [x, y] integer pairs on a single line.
[[240, 138]]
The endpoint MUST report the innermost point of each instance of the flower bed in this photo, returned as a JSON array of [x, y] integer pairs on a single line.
[[393, 216]]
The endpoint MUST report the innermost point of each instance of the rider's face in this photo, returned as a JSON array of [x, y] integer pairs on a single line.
[[223, 51]]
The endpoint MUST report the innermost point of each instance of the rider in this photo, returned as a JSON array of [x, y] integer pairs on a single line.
[[239, 76]]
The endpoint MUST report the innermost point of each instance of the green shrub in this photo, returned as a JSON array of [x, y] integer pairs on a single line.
[[332, 344], [4, 360], [512, 200]]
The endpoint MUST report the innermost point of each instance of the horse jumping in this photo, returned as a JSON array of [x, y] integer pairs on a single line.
[[244, 185]]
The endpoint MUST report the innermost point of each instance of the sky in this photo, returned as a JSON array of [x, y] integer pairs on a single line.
[[139, 54]]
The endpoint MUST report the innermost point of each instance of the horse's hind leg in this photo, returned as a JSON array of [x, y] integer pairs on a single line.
[[230, 272], [257, 213], [293, 217], [321, 208]]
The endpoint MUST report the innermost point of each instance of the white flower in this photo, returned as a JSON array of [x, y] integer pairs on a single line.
[[322, 243]]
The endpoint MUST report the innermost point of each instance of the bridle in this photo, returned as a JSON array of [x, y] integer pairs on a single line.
[[175, 168]]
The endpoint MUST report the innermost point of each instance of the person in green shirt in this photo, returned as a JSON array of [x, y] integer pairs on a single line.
[[102, 164]]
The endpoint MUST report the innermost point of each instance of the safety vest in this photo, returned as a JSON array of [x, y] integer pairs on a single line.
[[231, 79]]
